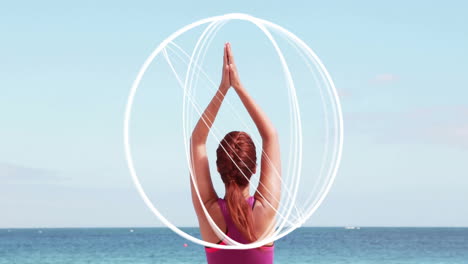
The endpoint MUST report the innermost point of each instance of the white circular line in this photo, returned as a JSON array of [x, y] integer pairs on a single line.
[[331, 88]]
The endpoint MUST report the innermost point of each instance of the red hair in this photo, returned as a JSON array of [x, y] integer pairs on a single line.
[[236, 161]]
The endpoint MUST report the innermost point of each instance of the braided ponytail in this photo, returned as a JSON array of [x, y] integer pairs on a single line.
[[236, 161]]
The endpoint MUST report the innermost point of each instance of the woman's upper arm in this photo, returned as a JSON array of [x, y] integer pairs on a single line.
[[269, 188], [201, 170]]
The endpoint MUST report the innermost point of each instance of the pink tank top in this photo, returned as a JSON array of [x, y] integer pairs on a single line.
[[261, 255]]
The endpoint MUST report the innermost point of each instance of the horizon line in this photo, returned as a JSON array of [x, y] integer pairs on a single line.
[[141, 227]]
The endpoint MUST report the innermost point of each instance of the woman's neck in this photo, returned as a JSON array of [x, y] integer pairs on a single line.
[[245, 191]]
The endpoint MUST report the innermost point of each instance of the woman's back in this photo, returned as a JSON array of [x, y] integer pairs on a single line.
[[236, 161], [261, 255]]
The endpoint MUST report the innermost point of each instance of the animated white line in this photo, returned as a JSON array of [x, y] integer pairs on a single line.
[[307, 54]]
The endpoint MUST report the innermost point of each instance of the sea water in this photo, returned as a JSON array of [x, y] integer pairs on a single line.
[[304, 245]]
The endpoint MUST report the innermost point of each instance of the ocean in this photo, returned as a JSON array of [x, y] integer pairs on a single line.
[[327, 245]]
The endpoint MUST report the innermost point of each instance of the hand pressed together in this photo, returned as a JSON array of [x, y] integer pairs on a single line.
[[230, 77]]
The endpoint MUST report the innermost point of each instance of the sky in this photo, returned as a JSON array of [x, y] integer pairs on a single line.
[[67, 69]]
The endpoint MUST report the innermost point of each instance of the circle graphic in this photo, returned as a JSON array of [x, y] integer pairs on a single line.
[[287, 224]]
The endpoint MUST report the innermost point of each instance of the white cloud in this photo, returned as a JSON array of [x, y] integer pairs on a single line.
[[384, 78], [13, 173], [432, 125]]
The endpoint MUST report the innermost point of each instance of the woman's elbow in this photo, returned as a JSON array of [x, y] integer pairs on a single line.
[[271, 134], [196, 140]]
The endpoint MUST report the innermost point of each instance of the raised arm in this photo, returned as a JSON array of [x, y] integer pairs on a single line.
[[269, 188], [199, 159]]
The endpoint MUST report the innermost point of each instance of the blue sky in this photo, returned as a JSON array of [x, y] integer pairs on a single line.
[[66, 71]]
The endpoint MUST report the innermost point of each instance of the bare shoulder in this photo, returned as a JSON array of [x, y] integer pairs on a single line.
[[206, 231], [264, 217], [264, 210]]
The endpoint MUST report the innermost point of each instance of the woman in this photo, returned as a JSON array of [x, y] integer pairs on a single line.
[[241, 217]]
